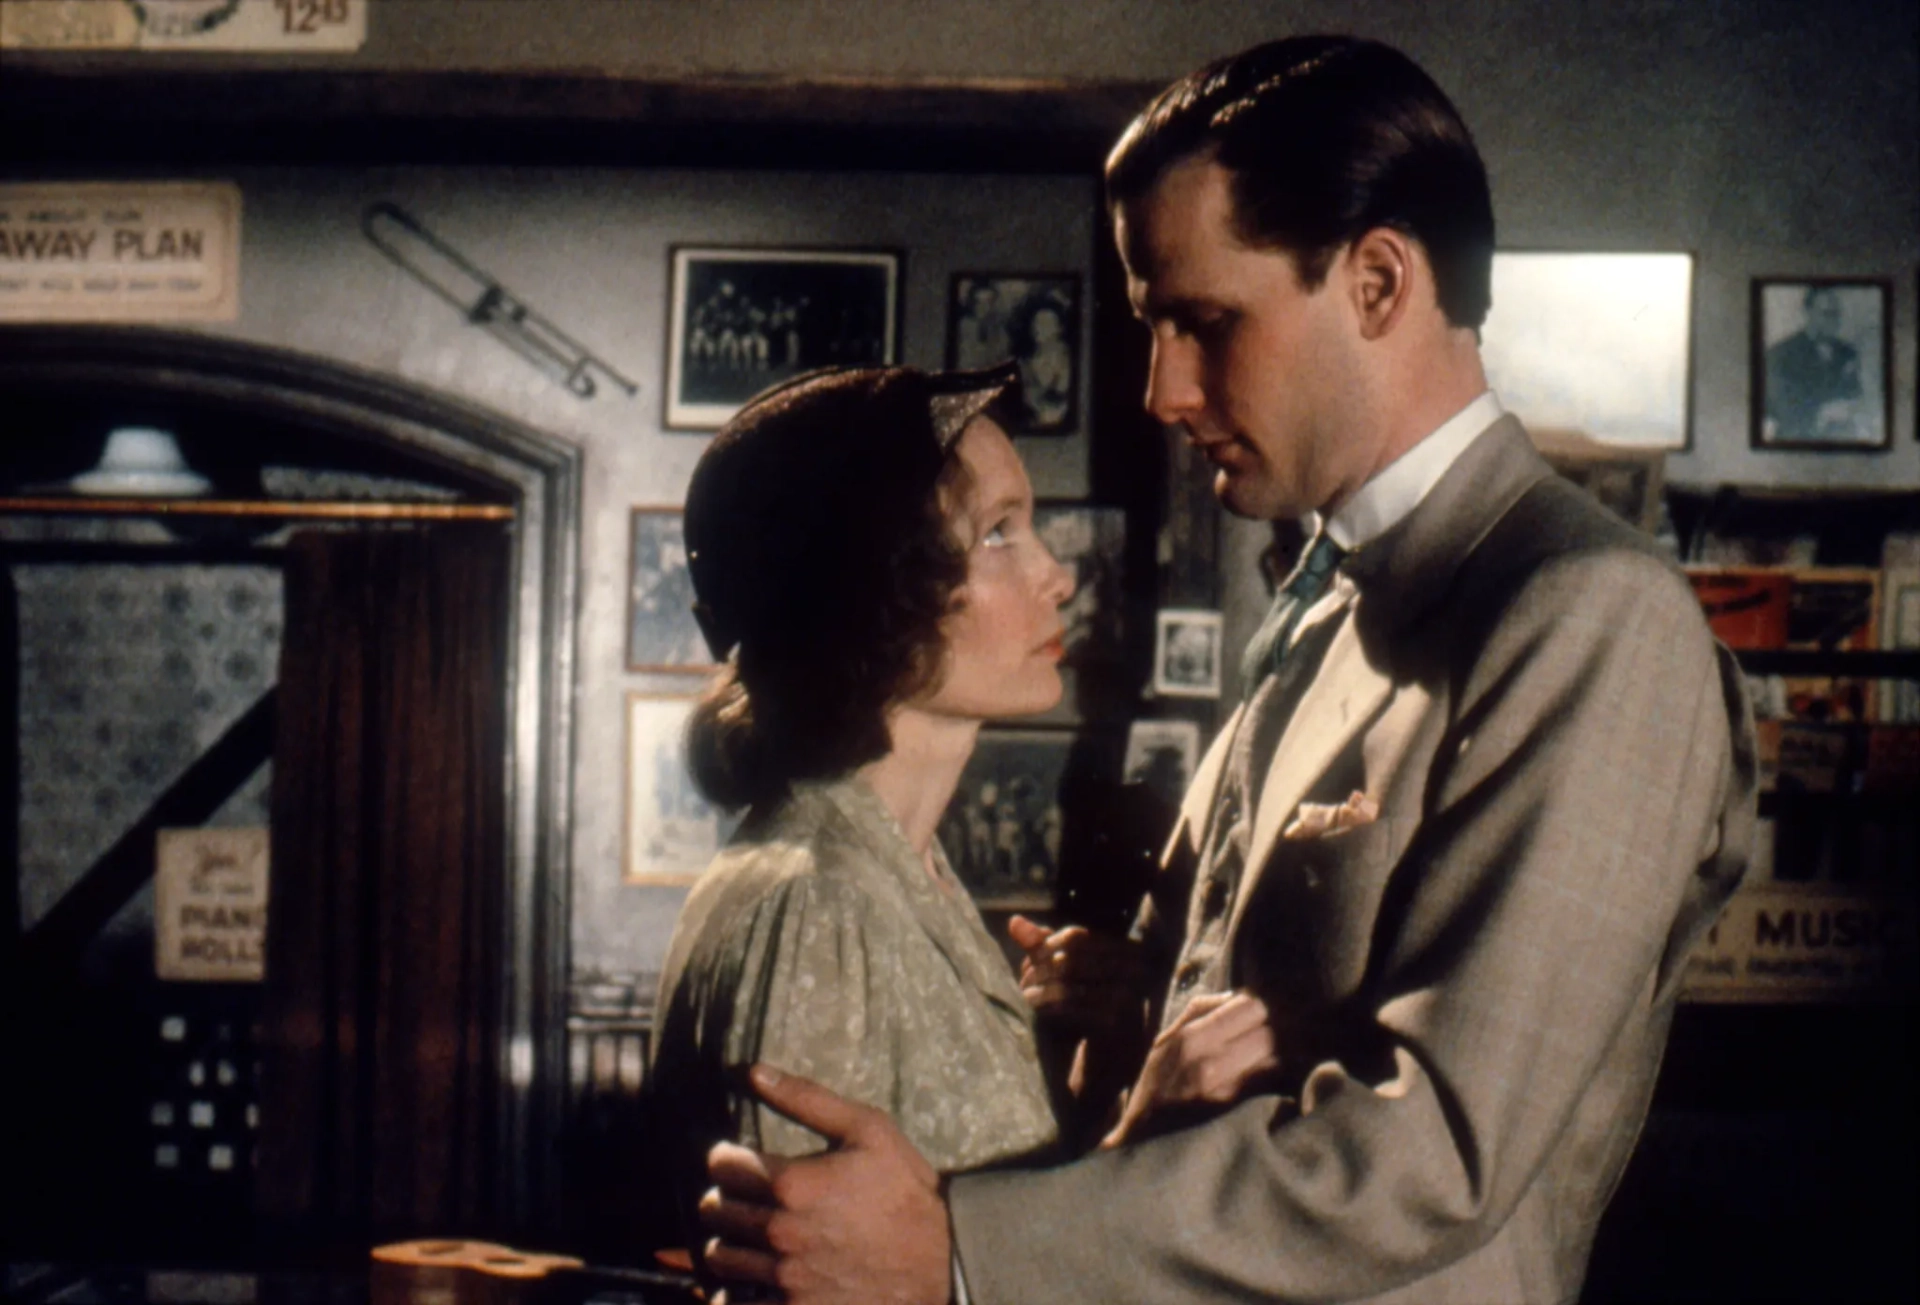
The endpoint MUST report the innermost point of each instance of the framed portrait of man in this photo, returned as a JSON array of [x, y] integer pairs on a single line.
[[1032, 318], [741, 320], [1822, 362]]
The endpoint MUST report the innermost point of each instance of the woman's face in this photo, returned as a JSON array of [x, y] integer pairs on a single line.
[[1004, 635]]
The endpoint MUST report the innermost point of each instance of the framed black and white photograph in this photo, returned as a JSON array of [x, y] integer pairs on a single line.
[[1822, 355], [1091, 542], [672, 832], [1003, 830], [1186, 653], [1162, 754], [740, 320], [661, 632], [1032, 318]]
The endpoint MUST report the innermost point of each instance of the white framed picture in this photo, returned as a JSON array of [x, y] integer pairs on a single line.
[[1595, 343], [672, 831], [1186, 653]]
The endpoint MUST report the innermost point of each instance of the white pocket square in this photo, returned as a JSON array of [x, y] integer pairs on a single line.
[[1319, 819]]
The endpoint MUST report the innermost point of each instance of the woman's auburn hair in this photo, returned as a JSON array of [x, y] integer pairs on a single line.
[[809, 699]]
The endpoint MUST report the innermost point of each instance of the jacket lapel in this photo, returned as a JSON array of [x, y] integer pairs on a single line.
[[1197, 807], [1400, 577], [1345, 694]]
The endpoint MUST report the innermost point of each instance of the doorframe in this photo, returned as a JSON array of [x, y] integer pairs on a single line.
[[542, 474]]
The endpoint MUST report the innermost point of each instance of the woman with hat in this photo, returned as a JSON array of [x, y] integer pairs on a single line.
[[864, 562]]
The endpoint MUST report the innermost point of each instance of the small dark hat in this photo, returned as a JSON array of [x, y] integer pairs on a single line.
[[793, 474]]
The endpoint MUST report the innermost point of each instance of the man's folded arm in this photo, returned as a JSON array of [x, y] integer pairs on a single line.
[[1528, 920]]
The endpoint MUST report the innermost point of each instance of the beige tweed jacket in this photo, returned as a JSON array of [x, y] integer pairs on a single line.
[[1472, 990]]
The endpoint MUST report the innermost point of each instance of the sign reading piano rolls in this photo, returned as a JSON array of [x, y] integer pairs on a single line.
[[210, 905], [120, 252], [1794, 943]]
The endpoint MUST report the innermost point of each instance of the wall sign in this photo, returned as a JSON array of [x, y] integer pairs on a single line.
[[1805, 943], [210, 905], [120, 252], [258, 26]]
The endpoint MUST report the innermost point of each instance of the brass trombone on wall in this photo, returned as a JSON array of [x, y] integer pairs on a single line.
[[484, 302]]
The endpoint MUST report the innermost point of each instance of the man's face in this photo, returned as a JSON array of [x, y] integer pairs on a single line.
[[1823, 315], [1258, 371]]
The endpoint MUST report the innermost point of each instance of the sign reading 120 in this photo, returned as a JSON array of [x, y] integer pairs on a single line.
[[299, 16]]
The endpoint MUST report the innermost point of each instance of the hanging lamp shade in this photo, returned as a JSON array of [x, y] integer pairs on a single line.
[[141, 461]]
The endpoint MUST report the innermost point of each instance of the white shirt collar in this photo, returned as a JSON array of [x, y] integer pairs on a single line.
[[1384, 501]]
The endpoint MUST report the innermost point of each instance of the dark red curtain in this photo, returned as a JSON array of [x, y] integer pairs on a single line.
[[381, 1056]]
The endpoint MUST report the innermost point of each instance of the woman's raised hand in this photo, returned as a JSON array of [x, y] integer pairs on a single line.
[[1090, 982]]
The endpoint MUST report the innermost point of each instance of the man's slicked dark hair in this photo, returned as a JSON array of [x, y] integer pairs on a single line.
[[1327, 138]]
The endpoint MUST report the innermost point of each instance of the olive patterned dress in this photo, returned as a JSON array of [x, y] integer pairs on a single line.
[[818, 942]]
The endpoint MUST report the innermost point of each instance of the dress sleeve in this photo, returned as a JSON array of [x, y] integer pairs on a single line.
[[807, 1003]]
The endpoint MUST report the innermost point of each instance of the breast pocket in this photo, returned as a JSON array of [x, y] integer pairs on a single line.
[[1307, 929]]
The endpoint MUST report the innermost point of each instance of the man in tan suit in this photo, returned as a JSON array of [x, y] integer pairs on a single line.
[[1492, 780]]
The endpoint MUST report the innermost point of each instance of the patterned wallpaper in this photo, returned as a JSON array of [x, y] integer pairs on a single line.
[[128, 672]]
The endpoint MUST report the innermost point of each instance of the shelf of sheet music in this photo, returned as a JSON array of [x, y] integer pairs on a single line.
[[1827, 910], [1824, 731]]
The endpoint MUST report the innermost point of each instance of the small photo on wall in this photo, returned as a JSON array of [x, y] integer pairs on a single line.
[[1002, 831], [1162, 754], [1032, 318], [672, 831], [741, 320], [1822, 354], [1186, 653], [661, 632]]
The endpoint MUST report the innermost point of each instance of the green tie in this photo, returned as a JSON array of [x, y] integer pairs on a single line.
[[1302, 589]]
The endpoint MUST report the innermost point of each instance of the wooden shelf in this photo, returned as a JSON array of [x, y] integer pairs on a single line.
[[1903, 665], [281, 509]]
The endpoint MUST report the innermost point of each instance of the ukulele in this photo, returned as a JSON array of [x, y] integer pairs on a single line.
[[454, 1272]]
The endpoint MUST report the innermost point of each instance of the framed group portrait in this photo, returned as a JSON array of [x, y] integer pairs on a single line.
[[1822, 364], [742, 319], [671, 831], [662, 634], [1032, 318], [1002, 831]]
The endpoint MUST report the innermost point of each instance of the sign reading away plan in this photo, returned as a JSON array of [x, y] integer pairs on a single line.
[[110, 252], [258, 26], [210, 905]]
